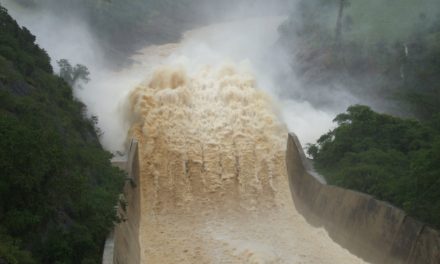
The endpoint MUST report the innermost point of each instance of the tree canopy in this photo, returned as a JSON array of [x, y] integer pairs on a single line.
[[57, 186], [73, 74], [391, 158]]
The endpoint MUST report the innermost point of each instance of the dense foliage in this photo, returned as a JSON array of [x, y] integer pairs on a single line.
[[57, 186], [388, 53], [391, 158]]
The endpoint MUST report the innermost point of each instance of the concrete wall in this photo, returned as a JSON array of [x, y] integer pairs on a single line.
[[122, 245], [371, 229]]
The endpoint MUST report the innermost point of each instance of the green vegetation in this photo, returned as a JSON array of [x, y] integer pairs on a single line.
[[388, 52], [57, 186], [73, 74], [394, 159]]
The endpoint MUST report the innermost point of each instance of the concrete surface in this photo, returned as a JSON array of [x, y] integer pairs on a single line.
[[371, 229], [122, 245]]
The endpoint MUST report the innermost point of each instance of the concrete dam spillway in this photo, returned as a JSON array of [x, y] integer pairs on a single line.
[[214, 174], [213, 178], [209, 181]]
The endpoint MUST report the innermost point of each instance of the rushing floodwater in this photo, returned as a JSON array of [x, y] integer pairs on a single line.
[[213, 175]]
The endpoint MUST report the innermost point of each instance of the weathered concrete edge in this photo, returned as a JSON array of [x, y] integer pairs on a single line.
[[371, 229], [122, 244]]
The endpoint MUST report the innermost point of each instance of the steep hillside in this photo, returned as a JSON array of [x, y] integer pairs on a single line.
[[57, 186]]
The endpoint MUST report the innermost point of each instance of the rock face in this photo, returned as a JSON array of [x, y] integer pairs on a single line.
[[371, 229]]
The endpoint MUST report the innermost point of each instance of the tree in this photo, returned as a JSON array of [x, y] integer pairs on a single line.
[[58, 189], [393, 159], [72, 75]]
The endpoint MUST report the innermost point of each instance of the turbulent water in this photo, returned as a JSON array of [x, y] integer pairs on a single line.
[[212, 148], [209, 138], [213, 176]]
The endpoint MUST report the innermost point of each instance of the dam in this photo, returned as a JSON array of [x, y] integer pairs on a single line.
[[213, 178], [207, 162], [212, 173]]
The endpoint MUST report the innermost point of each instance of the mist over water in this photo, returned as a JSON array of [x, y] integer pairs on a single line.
[[213, 176], [212, 154], [251, 44], [248, 42]]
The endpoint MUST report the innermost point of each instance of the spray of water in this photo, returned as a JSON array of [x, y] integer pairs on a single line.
[[212, 132], [213, 175], [213, 180], [250, 42]]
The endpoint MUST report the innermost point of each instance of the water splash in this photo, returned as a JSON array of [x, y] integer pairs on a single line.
[[211, 136], [213, 175]]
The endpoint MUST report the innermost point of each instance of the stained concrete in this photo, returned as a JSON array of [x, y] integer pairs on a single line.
[[122, 245], [371, 229]]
